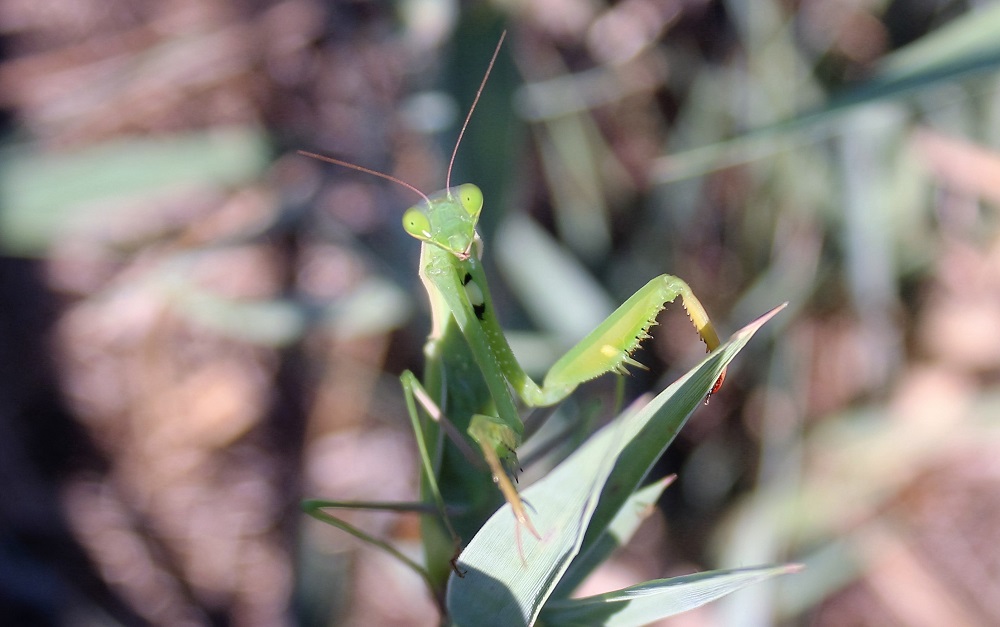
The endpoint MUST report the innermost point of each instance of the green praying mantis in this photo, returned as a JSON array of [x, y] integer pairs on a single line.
[[472, 383]]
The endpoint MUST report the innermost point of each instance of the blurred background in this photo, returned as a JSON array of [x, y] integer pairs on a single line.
[[199, 327]]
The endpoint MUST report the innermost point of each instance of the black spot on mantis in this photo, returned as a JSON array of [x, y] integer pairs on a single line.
[[475, 295]]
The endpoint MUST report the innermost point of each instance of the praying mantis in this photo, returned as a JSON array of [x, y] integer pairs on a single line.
[[472, 383]]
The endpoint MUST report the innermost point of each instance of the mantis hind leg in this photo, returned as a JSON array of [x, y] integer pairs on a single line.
[[316, 508], [414, 393]]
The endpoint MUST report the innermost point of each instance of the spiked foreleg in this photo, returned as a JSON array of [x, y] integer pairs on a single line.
[[609, 347]]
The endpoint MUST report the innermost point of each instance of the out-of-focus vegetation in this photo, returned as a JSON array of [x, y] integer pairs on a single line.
[[199, 327]]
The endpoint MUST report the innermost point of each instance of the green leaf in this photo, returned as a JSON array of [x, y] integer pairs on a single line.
[[637, 508], [373, 307], [966, 47], [657, 599], [508, 574], [969, 36], [555, 289], [43, 196]]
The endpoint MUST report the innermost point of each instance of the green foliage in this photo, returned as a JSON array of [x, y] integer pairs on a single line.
[[45, 196]]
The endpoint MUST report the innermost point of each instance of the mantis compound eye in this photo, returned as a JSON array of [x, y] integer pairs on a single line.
[[416, 223], [471, 198]]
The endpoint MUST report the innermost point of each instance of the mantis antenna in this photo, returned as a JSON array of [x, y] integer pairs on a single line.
[[475, 101], [359, 168], [454, 152]]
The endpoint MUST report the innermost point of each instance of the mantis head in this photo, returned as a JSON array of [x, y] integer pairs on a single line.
[[447, 219]]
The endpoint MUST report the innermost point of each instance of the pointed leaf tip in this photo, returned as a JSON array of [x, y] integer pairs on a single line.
[[754, 326]]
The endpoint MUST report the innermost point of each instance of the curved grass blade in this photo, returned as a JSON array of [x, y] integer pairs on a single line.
[[966, 47], [657, 599]]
